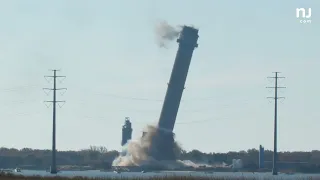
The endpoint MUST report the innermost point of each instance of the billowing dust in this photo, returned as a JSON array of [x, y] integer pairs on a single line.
[[136, 153]]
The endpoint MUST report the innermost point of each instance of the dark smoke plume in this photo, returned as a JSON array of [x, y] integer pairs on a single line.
[[166, 33]]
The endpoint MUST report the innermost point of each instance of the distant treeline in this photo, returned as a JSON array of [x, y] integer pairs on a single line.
[[101, 158]]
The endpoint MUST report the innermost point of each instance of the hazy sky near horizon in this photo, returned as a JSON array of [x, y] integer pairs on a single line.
[[114, 69]]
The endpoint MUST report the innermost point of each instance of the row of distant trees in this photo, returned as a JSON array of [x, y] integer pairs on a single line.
[[94, 156], [101, 158]]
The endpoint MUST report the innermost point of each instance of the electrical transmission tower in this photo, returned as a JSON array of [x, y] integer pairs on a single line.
[[275, 153], [53, 168]]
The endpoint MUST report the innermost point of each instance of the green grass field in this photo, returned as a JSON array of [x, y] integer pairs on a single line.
[[14, 177]]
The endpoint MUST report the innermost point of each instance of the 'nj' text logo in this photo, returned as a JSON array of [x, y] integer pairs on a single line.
[[304, 18]]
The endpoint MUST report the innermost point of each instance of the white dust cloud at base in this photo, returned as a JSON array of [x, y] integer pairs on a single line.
[[136, 153]]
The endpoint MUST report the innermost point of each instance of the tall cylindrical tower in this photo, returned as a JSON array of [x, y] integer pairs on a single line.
[[187, 43], [126, 131], [261, 157], [163, 143]]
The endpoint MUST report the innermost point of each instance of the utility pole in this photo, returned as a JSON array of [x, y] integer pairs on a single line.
[[275, 153], [53, 169]]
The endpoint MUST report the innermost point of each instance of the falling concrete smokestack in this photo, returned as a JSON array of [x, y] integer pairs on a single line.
[[187, 43], [162, 147]]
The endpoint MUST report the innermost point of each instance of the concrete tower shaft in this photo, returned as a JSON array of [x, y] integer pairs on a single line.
[[126, 131], [187, 43]]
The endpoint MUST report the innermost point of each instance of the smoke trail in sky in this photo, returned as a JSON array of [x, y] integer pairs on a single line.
[[166, 33]]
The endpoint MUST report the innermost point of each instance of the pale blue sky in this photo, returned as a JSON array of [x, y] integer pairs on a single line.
[[107, 50]]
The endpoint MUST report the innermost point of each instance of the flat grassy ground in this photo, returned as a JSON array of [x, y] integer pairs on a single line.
[[14, 177]]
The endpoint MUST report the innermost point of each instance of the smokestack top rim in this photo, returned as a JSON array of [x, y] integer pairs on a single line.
[[190, 32], [190, 29]]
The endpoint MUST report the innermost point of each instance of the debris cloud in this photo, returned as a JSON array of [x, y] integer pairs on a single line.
[[135, 152], [138, 153], [166, 33]]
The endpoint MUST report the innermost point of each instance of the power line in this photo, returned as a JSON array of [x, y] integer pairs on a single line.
[[137, 98], [145, 98], [112, 95], [13, 89], [53, 169], [275, 153]]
